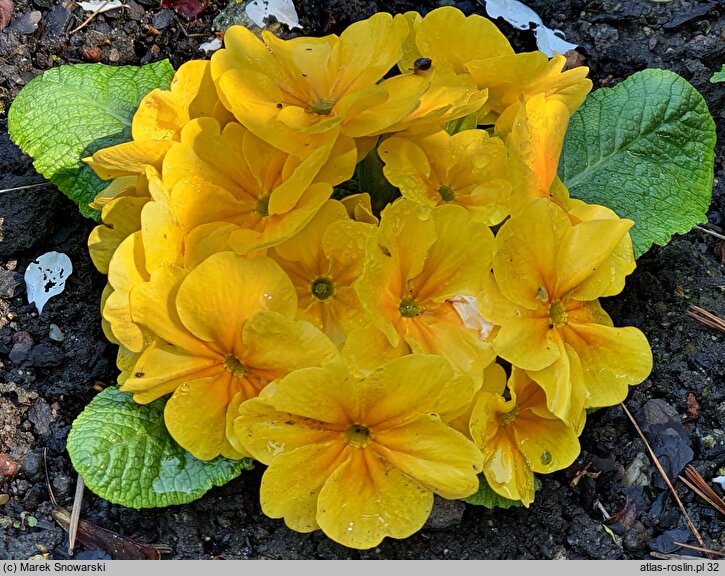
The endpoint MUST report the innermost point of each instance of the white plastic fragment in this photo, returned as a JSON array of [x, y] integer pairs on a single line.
[[101, 6], [45, 277], [720, 480], [549, 41], [283, 10], [211, 46]]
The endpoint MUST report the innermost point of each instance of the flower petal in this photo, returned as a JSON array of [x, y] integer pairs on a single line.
[[427, 450], [225, 290], [386, 503]]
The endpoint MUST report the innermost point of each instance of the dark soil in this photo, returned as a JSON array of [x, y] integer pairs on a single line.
[[45, 381]]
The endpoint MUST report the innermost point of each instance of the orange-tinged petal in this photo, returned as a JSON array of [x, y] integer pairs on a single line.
[[225, 290], [266, 432], [162, 368], [440, 458], [292, 483], [387, 502], [524, 260], [195, 415], [612, 359]]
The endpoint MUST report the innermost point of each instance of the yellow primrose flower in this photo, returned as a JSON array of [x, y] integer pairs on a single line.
[[450, 39], [225, 331], [269, 194], [547, 276], [288, 91], [468, 169], [323, 261], [158, 121], [519, 437], [421, 268], [360, 458], [513, 78]]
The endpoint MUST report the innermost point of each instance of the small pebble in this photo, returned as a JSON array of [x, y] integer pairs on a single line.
[[4, 499], [56, 333]]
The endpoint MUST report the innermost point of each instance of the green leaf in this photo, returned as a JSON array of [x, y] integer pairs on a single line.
[[718, 76], [644, 148], [124, 454], [69, 112], [459, 125], [488, 498]]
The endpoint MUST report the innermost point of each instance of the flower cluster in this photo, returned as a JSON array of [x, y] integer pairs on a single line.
[[371, 359]]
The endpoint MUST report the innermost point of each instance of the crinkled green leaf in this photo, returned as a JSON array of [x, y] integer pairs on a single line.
[[124, 454], [69, 112], [645, 148], [718, 76], [488, 498]]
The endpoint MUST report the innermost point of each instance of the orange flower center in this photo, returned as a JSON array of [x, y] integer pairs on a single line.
[[323, 288], [231, 364], [408, 308], [557, 313], [358, 435]]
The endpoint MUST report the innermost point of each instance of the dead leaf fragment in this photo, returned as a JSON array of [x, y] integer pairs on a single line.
[[8, 467], [693, 407], [6, 12]]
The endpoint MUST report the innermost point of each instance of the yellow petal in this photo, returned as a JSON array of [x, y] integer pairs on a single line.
[[267, 433], [121, 217], [387, 502], [440, 458], [162, 368], [277, 344], [524, 261], [402, 389], [527, 342], [585, 249], [223, 292], [359, 208], [128, 158], [367, 348], [195, 416], [292, 483], [612, 359]]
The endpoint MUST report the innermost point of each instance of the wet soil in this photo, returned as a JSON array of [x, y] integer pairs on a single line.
[[610, 504]]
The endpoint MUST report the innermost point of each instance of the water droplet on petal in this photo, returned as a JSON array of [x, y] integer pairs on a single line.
[[546, 458]]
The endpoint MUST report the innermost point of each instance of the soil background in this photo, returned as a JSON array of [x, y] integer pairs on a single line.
[[610, 504]]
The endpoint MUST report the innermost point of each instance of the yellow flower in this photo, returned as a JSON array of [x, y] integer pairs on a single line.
[[419, 267], [269, 194], [158, 121], [468, 169], [225, 331], [289, 91], [323, 261], [547, 276], [513, 78], [360, 458], [519, 437], [451, 39]]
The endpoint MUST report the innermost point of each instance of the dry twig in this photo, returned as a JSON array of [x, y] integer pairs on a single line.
[[699, 549], [706, 317], [75, 515], [664, 475], [697, 484]]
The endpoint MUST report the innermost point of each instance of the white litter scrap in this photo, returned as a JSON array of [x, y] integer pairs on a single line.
[[549, 41], [101, 6], [283, 10], [211, 46], [720, 480], [45, 277]]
